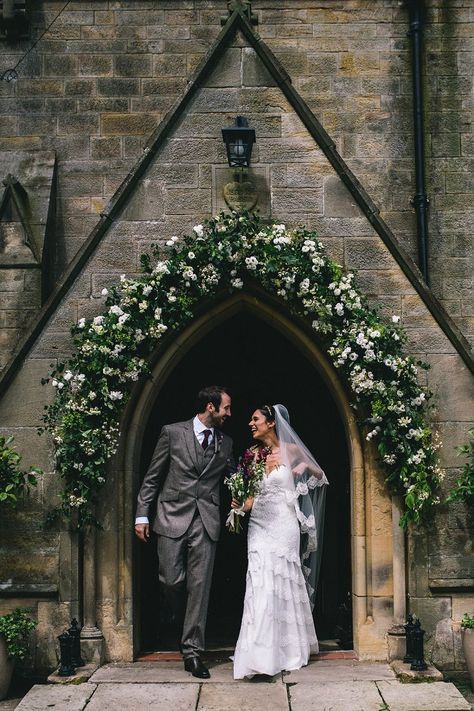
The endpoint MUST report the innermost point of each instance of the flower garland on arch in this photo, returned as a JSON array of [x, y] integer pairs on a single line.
[[111, 351]]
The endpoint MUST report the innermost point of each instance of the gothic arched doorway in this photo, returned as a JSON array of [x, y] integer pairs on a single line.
[[259, 365]]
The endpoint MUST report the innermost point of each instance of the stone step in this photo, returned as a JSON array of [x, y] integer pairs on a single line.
[[349, 687]]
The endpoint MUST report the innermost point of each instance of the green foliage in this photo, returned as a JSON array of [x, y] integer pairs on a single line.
[[223, 256], [13, 481], [464, 487], [467, 621], [15, 628]]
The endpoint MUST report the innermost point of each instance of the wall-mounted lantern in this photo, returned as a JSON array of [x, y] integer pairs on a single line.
[[239, 140]]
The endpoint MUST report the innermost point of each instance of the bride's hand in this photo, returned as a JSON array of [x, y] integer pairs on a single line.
[[247, 505], [300, 468]]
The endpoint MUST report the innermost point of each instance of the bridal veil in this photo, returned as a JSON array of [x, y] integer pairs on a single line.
[[309, 496]]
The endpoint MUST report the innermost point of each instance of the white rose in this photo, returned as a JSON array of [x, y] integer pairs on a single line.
[[104, 292], [199, 230]]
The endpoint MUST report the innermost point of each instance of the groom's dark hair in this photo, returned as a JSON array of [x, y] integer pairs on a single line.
[[211, 393]]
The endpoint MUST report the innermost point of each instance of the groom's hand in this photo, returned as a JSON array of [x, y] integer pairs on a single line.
[[142, 530]]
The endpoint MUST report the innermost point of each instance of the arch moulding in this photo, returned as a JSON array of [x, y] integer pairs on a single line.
[[372, 608]]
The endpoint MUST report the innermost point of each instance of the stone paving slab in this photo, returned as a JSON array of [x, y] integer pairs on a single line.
[[344, 670], [139, 697], [437, 696], [44, 697], [336, 696], [156, 673], [243, 696]]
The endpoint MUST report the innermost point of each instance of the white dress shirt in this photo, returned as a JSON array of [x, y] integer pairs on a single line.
[[198, 428]]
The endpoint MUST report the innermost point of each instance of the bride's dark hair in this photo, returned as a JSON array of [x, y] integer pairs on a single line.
[[268, 412]]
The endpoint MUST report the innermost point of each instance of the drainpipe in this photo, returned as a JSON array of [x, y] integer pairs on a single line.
[[420, 199]]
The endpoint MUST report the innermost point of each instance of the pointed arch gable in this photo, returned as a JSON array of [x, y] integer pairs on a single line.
[[239, 21]]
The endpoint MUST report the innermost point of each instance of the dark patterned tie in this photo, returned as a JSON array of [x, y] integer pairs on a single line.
[[205, 441]]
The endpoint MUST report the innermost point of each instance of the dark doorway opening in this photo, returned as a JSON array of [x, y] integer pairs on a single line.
[[259, 365]]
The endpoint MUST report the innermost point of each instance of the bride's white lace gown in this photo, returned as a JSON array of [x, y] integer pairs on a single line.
[[277, 631]]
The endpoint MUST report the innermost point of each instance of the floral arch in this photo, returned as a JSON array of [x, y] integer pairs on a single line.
[[228, 251]]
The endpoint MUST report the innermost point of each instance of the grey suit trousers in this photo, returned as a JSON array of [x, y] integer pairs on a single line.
[[189, 558]]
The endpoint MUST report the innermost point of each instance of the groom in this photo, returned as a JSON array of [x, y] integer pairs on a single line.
[[187, 467]]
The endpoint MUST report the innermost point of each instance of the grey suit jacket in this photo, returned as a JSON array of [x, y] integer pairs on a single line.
[[185, 478]]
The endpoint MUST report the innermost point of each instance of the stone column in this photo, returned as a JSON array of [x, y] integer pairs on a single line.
[[92, 640], [396, 634]]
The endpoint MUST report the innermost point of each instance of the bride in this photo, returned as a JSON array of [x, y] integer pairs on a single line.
[[284, 548]]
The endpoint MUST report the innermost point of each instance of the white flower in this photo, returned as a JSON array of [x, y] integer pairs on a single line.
[[104, 292], [199, 230], [191, 255], [339, 309], [116, 310], [147, 290], [123, 318], [81, 323], [251, 262], [115, 395], [68, 375], [81, 377], [161, 268], [237, 283], [98, 320], [171, 298], [373, 433], [123, 278], [395, 319], [404, 421], [157, 313], [91, 395]]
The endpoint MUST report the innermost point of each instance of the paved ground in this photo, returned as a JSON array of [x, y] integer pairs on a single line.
[[344, 685]]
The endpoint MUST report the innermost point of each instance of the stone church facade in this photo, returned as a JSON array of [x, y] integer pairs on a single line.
[[110, 141]]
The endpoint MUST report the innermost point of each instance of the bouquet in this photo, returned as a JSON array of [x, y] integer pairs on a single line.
[[245, 482]]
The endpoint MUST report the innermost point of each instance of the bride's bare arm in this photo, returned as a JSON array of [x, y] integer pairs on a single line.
[[299, 465]]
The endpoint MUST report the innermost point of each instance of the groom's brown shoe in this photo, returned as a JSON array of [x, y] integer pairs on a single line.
[[196, 667]]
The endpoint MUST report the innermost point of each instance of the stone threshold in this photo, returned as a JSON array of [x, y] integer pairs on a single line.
[[172, 656]]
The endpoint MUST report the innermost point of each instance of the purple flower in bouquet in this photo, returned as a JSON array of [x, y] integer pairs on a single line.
[[245, 482]]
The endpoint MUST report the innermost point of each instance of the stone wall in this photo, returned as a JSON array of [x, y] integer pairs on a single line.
[[105, 73], [120, 71]]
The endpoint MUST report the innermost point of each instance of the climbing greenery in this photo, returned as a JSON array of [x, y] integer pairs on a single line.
[[219, 257], [13, 482], [463, 490], [15, 628]]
